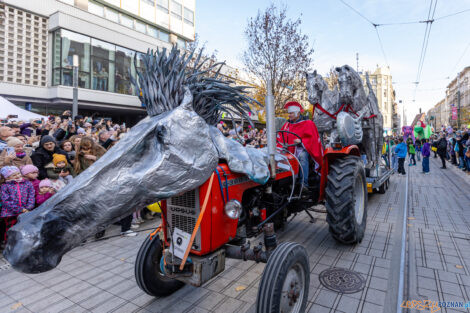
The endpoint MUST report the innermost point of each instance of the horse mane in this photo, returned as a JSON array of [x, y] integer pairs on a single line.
[[164, 75]]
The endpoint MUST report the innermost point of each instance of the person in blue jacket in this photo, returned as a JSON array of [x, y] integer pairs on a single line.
[[401, 151]]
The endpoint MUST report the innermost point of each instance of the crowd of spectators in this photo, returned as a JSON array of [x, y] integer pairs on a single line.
[[247, 136], [41, 156], [448, 144]]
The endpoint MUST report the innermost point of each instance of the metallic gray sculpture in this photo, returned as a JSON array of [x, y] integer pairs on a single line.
[[318, 92], [354, 117], [175, 149]]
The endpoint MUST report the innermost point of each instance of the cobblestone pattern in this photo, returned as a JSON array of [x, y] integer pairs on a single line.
[[439, 223], [99, 276]]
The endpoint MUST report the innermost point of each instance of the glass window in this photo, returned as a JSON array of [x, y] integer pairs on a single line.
[[181, 43], [56, 77], [163, 5], [114, 2], [152, 31], [102, 74], [164, 36], [176, 9], [95, 8], [131, 6], [139, 26], [124, 69], [73, 43], [188, 16], [112, 15], [127, 21], [147, 10], [57, 56]]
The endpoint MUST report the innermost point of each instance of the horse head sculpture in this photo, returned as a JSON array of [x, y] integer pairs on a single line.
[[173, 150], [319, 93], [351, 90]]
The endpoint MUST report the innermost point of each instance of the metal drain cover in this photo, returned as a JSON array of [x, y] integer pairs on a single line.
[[342, 280]]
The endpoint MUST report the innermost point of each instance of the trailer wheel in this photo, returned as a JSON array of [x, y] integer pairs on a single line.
[[346, 199], [285, 281], [147, 270], [383, 188]]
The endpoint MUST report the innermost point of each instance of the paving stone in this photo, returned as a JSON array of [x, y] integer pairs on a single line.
[[451, 288], [211, 300], [109, 305], [126, 308], [371, 308], [348, 304], [326, 298], [379, 283], [375, 296], [229, 305], [316, 308]]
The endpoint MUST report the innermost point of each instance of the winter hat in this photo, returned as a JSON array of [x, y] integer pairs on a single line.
[[45, 183], [87, 124], [46, 139], [28, 168], [7, 171], [13, 141], [56, 158], [81, 131]]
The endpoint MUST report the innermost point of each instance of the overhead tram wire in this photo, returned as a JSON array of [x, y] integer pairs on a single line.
[[460, 59], [424, 47], [373, 24]]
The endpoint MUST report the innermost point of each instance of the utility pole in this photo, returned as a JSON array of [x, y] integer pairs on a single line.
[[75, 86], [357, 62]]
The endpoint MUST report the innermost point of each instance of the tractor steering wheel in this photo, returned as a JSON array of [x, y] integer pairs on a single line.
[[284, 144]]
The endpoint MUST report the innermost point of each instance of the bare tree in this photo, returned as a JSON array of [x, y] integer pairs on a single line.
[[277, 50]]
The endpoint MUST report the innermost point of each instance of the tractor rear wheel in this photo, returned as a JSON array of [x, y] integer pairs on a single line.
[[346, 199], [285, 281], [147, 270]]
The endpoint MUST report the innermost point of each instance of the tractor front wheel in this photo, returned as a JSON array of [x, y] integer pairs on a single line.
[[285, 281], [346, 199], [147, 270]]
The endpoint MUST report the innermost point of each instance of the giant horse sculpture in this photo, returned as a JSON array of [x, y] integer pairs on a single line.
[[349, 110], [173, 150]]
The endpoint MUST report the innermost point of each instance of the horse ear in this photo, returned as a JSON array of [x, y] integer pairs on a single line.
[[315, 73], [306, 74], [338, 69]]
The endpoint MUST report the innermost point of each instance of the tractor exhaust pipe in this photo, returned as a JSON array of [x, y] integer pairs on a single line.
[[270, 128]]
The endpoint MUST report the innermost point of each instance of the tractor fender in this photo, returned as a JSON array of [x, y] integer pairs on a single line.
[[330, 154]]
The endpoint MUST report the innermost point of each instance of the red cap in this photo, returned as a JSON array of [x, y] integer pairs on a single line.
[[293, 104]]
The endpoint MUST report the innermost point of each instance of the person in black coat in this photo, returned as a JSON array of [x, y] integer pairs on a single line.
[[43, 155], [442, 149]]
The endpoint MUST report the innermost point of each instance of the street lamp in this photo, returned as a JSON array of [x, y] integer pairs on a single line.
[[75, 86]]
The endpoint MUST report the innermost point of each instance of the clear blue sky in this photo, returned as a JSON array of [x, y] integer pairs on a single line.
[[337, 33]]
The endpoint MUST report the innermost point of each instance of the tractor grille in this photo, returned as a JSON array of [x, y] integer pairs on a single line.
[[182, 213]]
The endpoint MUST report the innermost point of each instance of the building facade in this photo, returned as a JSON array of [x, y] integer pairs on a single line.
[[381, 81], [458, 99], [38, 41]]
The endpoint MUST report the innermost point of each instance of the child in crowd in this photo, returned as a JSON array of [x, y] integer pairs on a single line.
[[412, 152], [59, 171], [17, 196], [45, 191], [401, 151], [30, 173]]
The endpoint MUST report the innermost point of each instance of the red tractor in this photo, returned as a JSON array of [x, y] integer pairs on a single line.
[[229, 208]]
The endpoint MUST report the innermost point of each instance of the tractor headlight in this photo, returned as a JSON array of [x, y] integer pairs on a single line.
[[233, 209]]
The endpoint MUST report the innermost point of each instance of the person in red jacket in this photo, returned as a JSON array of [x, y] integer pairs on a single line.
[[310, 146]]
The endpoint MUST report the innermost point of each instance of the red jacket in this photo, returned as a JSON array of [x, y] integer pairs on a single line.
[[307, 131]]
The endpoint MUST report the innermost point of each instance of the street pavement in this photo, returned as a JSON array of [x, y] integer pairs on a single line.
[[99, 275]]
